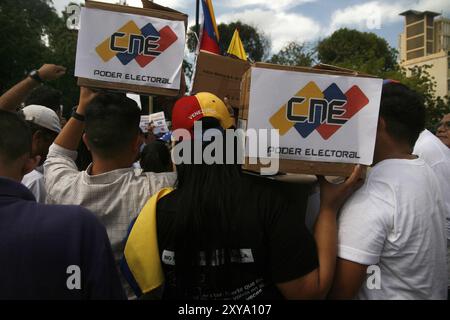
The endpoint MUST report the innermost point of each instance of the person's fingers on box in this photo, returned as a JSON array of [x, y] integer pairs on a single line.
[[355, 180]]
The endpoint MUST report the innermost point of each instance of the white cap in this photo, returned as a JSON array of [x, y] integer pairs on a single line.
[[42, 116]]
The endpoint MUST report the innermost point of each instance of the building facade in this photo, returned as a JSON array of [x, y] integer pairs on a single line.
[[425, 40]]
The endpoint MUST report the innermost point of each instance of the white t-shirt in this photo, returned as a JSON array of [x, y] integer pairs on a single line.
[[437, 156], [34, 181], [395, 220]]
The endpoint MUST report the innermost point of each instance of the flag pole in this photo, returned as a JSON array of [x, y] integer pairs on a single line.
[[197, 19]]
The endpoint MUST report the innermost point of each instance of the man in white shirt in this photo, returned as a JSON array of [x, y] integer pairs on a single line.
[[437, 155], [110, 187], [396, 222], [45, 126]]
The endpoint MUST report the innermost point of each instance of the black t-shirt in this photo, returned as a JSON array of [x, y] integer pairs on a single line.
[[270, 245]]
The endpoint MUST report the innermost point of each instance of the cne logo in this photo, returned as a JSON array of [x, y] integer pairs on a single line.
[[313, 109], [130, 42]]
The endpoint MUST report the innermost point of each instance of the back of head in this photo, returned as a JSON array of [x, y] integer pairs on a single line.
[[403, 111], [45, 96], [112, 122], [15, 137], [155, 157]]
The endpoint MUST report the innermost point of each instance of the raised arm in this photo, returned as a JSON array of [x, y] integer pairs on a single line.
[[12, 98], [70, 136], [317, 283]]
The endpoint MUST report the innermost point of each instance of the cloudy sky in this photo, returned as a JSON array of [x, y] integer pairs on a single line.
[[306, 20]]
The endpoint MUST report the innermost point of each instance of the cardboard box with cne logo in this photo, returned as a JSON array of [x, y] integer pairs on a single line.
[[133, 49], [326, 117]]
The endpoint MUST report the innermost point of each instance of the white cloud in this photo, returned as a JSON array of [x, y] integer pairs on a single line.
[[282, 27], [439, 6], [377, 14], [270, 4], [370, 15], [175, 4]]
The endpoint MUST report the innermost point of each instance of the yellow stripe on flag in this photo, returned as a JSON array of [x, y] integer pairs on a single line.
[[213, 18]]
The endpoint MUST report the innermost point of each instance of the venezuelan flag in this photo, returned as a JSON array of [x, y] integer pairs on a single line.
[[210, 33]]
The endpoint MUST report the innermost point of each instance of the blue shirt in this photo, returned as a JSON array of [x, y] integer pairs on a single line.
[[52, 251]]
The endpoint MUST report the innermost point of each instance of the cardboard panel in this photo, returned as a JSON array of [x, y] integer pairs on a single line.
[[219, 75], [307, 167]]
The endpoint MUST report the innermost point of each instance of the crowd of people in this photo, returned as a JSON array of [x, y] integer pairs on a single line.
[[131, 224]]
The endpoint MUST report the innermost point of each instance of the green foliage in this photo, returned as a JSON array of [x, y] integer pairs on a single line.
[[23, 24], [420, 80], [362, 51], [368, 53], [293, 54], [63, 45], [256, 44]]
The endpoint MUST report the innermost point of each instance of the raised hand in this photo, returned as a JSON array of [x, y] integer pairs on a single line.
[[50, 72]]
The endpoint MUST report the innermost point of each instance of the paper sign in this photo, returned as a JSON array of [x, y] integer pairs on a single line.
[[145, 120], [326, 118], [130, 49], [159, 123]]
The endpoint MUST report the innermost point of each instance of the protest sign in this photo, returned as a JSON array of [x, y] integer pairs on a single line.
[[219, 75], [327, 120], [143, 124], [159, 123], [132, 49]]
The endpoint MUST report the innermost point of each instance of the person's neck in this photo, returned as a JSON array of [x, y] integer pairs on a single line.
[[100, 166], [393, 150], [10, 174]]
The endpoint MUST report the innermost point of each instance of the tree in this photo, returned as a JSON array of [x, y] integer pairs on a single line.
[[368, 53], [256, 44], [23, 25], [293, 54], [419, 79], [63, 48], [361, 51], [32, 33]]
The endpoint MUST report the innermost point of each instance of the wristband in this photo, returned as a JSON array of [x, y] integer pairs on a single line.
[[77, 116]]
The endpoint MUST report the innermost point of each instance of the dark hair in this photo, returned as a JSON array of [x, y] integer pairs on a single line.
[[15, 137], [155, 157], [208, 194], [45, 96], [112, 122], [403, 110]]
